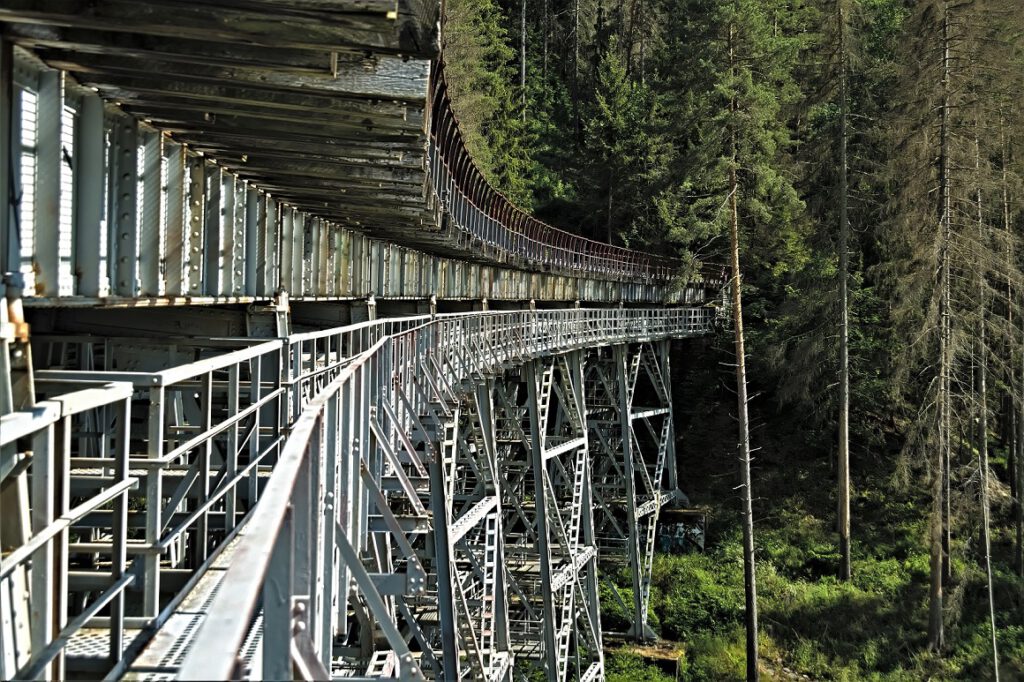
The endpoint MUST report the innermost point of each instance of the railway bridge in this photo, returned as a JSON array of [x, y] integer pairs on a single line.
[[287, 390]]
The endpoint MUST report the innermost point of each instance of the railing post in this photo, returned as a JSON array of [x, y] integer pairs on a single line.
[[42, 592], [154, 504], [332, 591], [277, 604], [119, 526]]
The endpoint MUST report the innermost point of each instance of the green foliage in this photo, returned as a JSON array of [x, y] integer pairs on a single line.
[[625, 666], [479, 68], [694, 593], [625, 160], [635, 111], [717, 658], [812, 624]]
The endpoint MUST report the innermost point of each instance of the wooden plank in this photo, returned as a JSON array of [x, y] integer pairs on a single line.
[[301, 168], [375, 77], [127, 88], [227, 146], [139, 46], [382, 164], [212, 122], [277, 138], [344, 26]]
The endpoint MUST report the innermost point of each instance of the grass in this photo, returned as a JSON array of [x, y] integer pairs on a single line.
[[812, 625]]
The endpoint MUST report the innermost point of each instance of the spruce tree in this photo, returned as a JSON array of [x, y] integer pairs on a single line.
[[733, 140], [950, 255], [624, 157]]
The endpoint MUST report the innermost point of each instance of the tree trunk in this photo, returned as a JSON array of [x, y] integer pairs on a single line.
[[1019, 506], [576, 69], [522, 54], [844, 354], [938, 525], [609, 221], [546, 29], [983, 424], [749, 575], [1017, 468]]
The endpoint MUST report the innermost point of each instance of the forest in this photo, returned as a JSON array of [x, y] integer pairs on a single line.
[[856, 433]]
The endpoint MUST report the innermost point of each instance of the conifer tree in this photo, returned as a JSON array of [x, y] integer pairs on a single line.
[[480, 70], [624, 156], [946, 243], [843, 197], [733, 138]]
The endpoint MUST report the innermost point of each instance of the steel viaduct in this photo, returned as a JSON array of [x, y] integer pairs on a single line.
[[286, 389]]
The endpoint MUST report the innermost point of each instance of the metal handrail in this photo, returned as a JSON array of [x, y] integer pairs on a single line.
[[257, 391], [385, 390], [50, 460]]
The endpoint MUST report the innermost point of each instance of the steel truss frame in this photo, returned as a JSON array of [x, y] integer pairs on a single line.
[[632, 427], [210, 416], [390, 516]]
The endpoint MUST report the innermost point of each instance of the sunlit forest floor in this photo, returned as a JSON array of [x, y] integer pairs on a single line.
[[812, 625]]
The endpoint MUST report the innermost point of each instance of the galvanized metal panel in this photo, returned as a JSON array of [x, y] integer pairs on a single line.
[[49, 160], [313, 251], [195, 225], [240, 207], [228, 210], [212, 227], [90, 173], [151, 214], [287, 222], [300, 226], [255, 239], [124, 254], [176, 239], [268, 249]]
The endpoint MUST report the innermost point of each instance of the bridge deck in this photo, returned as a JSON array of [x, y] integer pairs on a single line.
[[319, 103]]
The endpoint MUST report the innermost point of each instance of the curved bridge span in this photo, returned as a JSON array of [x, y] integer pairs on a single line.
[[286, 389]]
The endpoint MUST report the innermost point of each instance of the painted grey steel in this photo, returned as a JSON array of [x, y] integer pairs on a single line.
[[123, 219], [49, 160], [491, 408], [420, 497], [152, 225], [50, 461], [433, 365], [9, 243], [89, 170]]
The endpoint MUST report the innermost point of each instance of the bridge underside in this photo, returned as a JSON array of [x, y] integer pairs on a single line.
[[321, 103], [176, 159]]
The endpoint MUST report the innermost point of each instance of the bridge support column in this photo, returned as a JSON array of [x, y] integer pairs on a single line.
[[634, 463], [538, 382], [442, 561], [639, 629]]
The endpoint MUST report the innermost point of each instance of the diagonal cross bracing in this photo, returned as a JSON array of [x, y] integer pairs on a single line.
[[482, 567]]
